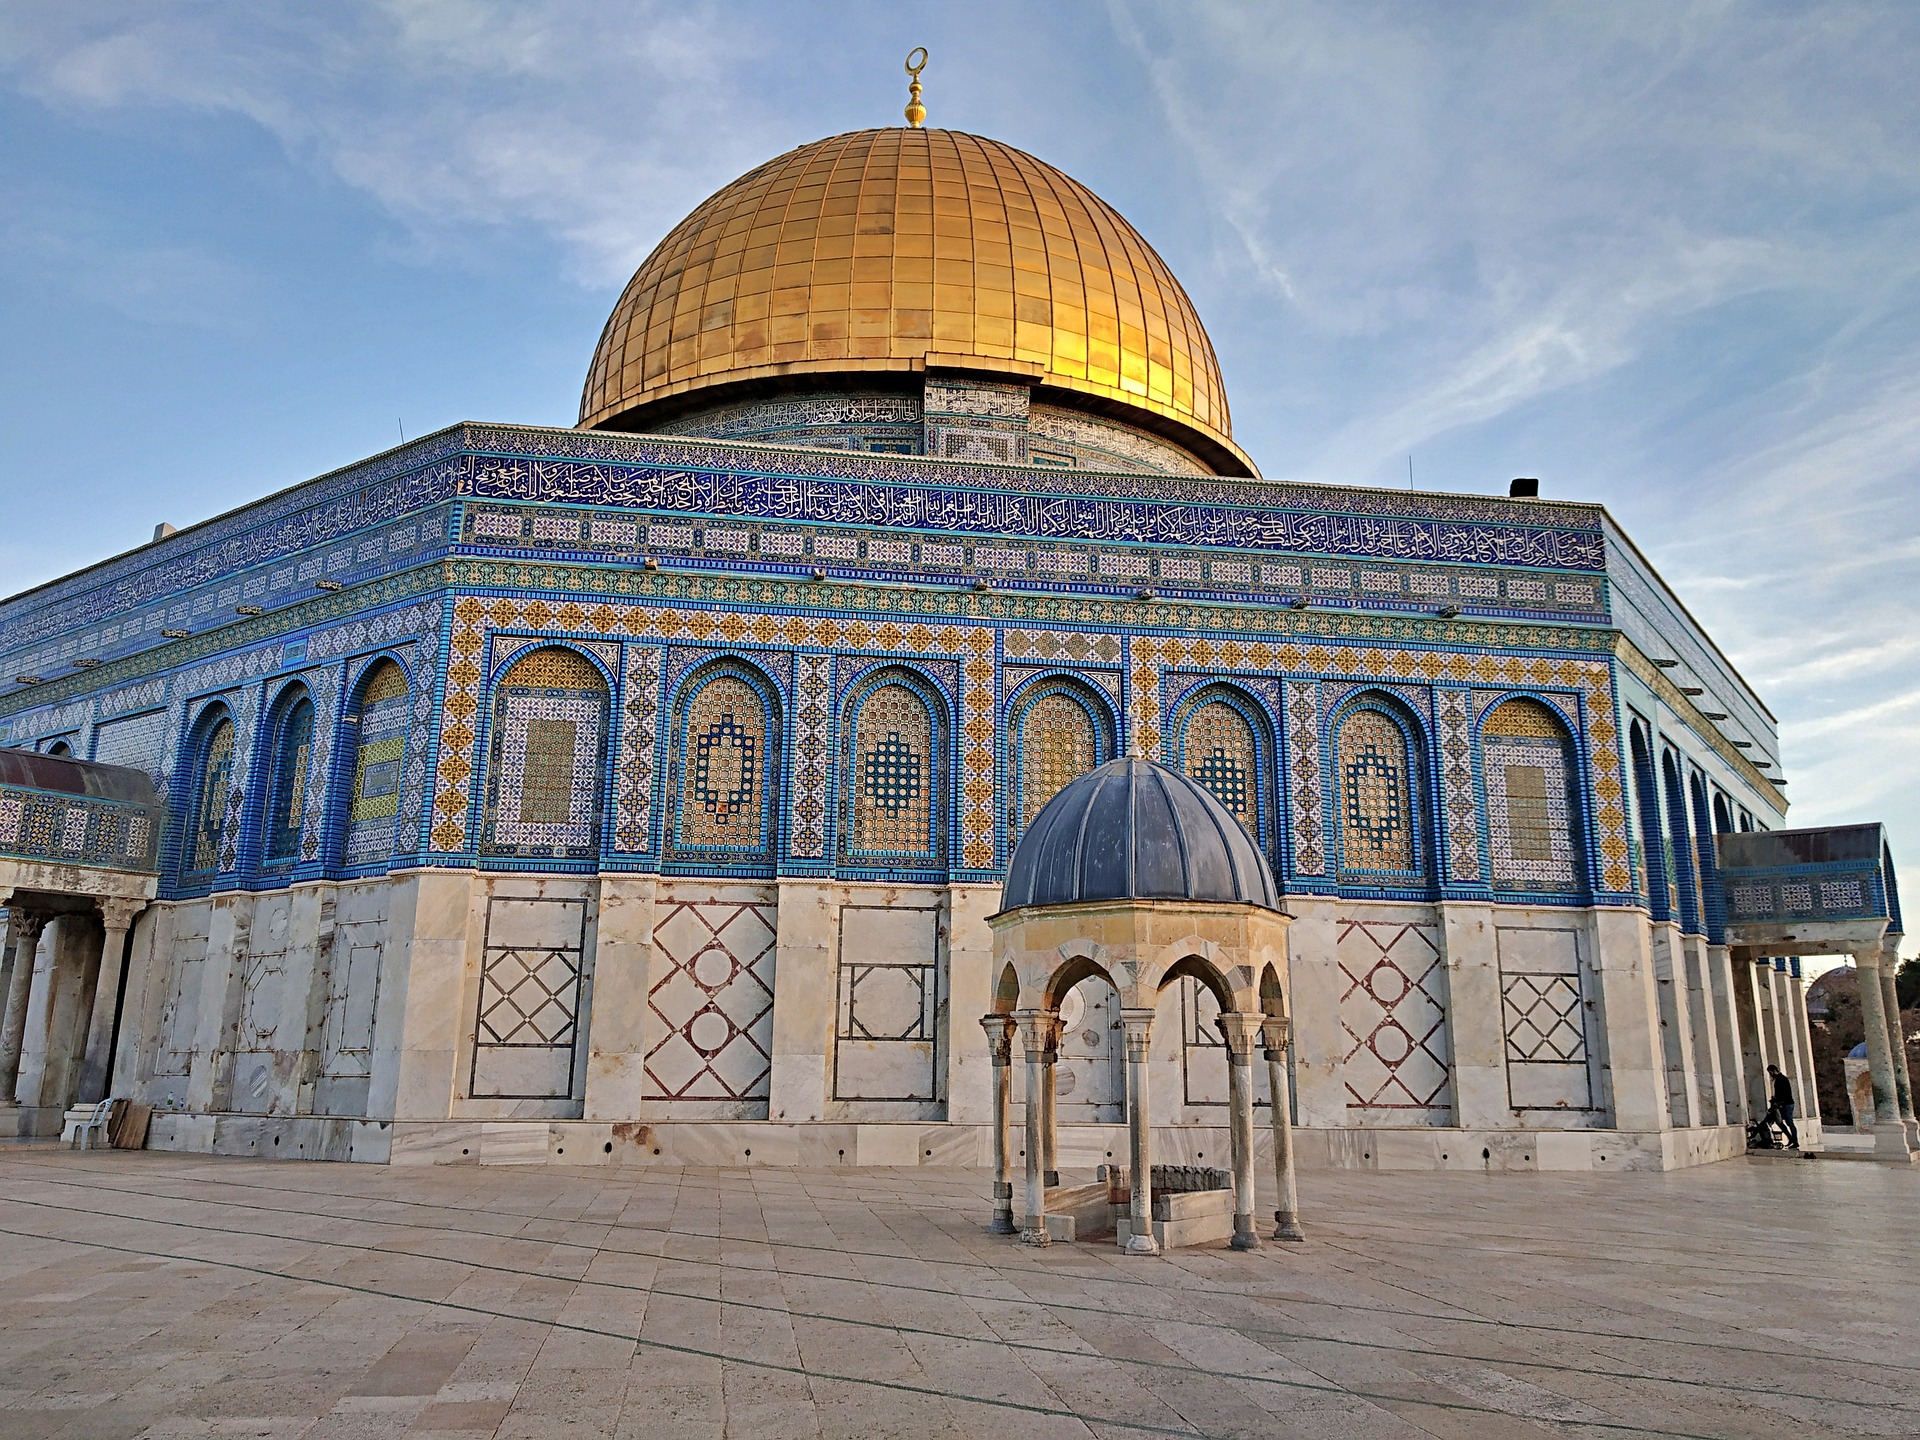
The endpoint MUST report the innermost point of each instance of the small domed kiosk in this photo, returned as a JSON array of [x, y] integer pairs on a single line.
[[1137, 874]]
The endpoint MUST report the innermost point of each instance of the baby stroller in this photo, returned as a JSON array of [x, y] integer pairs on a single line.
[[1766, 1133]]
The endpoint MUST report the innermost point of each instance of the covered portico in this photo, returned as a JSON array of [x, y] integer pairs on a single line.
[[79, 860], [1827, 891]]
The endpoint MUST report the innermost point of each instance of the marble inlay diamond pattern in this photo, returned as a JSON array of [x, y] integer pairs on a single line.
[[715, 998], [1544, 1019], [1393, 1010]]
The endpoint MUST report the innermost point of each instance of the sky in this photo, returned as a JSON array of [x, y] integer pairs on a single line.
[[1664, 256]]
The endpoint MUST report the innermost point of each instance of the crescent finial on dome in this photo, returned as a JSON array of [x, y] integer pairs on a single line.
[[916, 112]]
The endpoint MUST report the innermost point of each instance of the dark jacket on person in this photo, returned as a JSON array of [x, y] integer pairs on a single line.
[[1782, 1091]]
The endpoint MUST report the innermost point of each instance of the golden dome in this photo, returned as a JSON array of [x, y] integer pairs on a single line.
[[900, 249]]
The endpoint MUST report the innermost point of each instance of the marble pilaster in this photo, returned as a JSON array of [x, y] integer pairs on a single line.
[[622, 975]]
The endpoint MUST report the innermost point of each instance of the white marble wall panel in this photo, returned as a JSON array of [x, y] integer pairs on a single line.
[[887, 1002]]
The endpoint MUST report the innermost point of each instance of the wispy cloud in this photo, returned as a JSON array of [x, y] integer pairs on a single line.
[[447, 114], [1667, 248]]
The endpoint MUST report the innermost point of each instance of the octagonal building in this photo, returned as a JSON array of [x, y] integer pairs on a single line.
[[638, 792]]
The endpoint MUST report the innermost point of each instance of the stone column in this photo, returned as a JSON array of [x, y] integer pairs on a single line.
[[1706, 1047], [1768, 977], [1036, 1034], [1287, 1217], [26, 928], [1050, 1105], [117, 916], [999, 1030], [1139, 1028], [1803, 1041], [1896, 1035], [1719, 978], [1753, 1058], [1889, 1134], [1666, 948], [1240, 1030], [6, 954], [1783, 1006], [1812, 1132]]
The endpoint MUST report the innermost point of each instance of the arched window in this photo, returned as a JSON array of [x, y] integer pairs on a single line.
[[893, 787], [60, 747], [549, 737], [1712, 909], [727, 765], [1658, 880], [213, 774], [1218, 749], [287, 779], [1527, 761], [1378, 798], [380, 753], [1680, 843], [1059, 742]]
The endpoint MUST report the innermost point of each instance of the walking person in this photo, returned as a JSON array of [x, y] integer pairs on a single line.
[[1782, 1107]]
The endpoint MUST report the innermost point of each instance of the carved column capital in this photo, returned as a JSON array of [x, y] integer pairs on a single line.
[[1240, 1029], [999, 1030], [1138, 1025], [117, 913], [1037, 1029], [1276, 1033], [1054, 1037]]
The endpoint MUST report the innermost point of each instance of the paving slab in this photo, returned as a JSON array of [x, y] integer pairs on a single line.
[[332, 1302]]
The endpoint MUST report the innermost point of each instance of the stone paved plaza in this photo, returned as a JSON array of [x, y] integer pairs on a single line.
[[161, 1295]]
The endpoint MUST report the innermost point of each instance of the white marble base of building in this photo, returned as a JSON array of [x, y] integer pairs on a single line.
[[825, 1144], [29, 1122]]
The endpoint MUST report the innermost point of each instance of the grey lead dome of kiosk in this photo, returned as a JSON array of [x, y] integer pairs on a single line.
[[1134, 830]]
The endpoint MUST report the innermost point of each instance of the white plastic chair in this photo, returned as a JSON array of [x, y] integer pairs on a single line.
[[96, 1122]]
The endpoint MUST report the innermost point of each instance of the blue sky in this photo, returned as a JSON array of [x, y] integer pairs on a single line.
[[1665, 256]]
